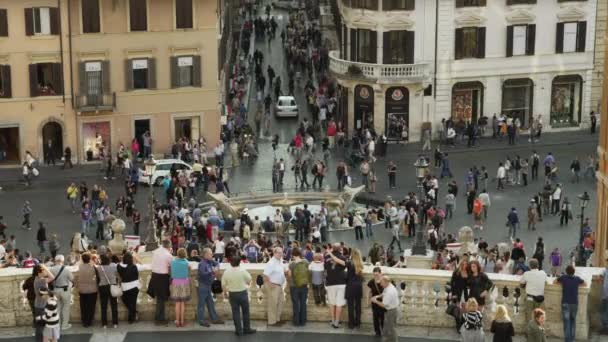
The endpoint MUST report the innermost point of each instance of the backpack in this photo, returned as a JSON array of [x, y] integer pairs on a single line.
[[300, 274]]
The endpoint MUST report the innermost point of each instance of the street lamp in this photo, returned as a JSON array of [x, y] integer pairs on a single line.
[[583, 201], [151, 239], [422, 168]]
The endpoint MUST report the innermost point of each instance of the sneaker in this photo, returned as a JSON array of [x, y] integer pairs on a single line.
[[204, 324]]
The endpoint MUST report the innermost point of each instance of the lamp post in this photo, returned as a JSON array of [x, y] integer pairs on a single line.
[[422, 167], [583, 201], [151, 239]]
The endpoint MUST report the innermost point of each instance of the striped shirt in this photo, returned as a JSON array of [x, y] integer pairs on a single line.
[[51, 314], [472, 320]]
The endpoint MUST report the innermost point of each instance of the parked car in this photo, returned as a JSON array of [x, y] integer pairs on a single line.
[[286, 107], [163, 170]]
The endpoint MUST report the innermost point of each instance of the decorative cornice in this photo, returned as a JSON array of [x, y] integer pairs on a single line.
[[45, 57], [93, 55], [141, 52], [185, 50], [469, 18], [363, 21], [398, 22], [520, 16], [571, 13], [4, 59]]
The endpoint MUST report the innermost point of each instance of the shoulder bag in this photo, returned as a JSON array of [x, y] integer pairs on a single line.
[[115, 289]]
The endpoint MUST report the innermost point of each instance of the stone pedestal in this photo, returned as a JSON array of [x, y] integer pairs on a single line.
[[418, 261]]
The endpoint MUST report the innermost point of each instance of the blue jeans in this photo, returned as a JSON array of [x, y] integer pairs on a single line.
[[513, 229], [85, 228], [298, 299], [239, 302], [368, 229], [569, 318], [604, 312], [205, 299]]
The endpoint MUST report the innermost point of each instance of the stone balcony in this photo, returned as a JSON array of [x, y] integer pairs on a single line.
[[380, 73], [423, 300]]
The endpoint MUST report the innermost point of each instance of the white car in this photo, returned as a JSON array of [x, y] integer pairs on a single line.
[[286, 107], [163, 170]]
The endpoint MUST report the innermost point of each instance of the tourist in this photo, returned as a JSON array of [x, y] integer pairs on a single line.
[[49, 318], [107, 277], [536, 327], [42, 278], [335, 283], [534, 281], [604, 307], [180, 285], [556, 262], [479, 284], [158, 287], [299, 279], [472, 318], [235, 282], [389, 301], [86, 282], [62, 287], [207, 272], [375, 289], [274, 279], [358, 223], [317, 278], [354, 287], [570, 284], [502, 327], [513, 222], [458, 283], [129, 284]]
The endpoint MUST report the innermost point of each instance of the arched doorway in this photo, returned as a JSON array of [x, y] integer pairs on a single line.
[[517, 99], [364, 107], [397, 105], [52, 141], [467, 101], [566, 100]]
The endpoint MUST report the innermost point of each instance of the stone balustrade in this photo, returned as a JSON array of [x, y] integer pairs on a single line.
[[383, 73], [423, 300]]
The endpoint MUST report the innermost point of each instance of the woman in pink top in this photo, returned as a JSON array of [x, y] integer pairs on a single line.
[[134, 148]]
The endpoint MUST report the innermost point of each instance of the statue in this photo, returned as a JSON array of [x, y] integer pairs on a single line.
[[225, 205], [348, 195], [466, 239], [118, 243]]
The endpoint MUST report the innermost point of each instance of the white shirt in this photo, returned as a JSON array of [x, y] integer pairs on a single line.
[[557, 194], [275, 271], [501, 172], [484, 197], [161, 261], [2, 252], [219, 247], [390, 297], [535, 281]]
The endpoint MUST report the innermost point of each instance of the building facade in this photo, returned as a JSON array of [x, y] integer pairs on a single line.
[[85, 71], [424, 61], [601, 239]]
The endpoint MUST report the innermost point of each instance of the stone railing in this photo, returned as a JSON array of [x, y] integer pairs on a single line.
[[405, 73], [423, 300]]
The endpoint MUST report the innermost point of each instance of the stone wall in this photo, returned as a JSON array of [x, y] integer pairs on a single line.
[[423, 300]]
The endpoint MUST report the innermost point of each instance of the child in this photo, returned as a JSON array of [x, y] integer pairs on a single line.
[[317, 269], [556, 262], [50, 318]]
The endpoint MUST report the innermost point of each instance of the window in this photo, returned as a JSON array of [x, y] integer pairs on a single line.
[[5, 81], [363, 45], [470, 3], [183, 14], [566, 96], [398, 47], [185, 71], [521, 40], [90, 16], [3, 23], [403, 5], [571, 37], [138, 15], [41, 21], [470, 42], [520, 2], [365, 4], [46, 79], [94, 78], [141, 73]]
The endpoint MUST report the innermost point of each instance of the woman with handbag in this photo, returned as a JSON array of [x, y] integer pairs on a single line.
[[108, 290], [129, 284], [479, 284]]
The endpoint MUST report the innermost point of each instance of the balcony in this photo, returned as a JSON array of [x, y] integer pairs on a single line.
[[380, 73], [95, 102]]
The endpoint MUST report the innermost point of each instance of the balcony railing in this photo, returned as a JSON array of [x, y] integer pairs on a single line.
[[95, 102], [389, 73]]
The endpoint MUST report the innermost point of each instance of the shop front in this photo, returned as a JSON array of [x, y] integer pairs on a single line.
[[566, 100], [517, 100], [397, 113], [467, 101], [364, 107], [10, 145], [96, 139], [187, 127]]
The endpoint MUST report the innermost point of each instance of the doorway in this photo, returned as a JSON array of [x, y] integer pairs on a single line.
[[364, 107], [397, 113], [141, 126], [183, 128], [9, 145], [467, 101], [52, 141]]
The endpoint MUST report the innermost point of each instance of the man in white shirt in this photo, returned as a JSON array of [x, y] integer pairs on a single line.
[[484, 197], [501, 173], [555, 199], [534, 281], [158, 287], [274, 279], [389, 300]]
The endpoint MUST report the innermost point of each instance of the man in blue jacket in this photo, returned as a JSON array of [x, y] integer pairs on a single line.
[[512, 222], [207, 271]]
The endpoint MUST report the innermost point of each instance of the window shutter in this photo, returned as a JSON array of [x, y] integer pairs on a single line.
[[458, 44], [5, 73], [151, 73], [128, 74], [509, 40], [3, 23], [57, 72], [581, 36], [559, 38], [374, 46], [173, 68], [353, 45], [409, 47], [33, 80], [459, 3], [55, 21], [481, 42], [138, 15], [530, 39], [82, 79], [196, 69], [482, 2], [29, 21], [183, 13], [105, 77], [90, 16], [386, 47]]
